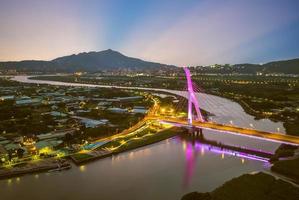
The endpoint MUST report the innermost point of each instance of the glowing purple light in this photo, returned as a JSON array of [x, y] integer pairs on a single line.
[[192, 99], [199, 146], [190, 164]]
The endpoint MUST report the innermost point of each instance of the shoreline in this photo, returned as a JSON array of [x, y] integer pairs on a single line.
[[131, 147], [93, 158], [40, 166], [259, 185]]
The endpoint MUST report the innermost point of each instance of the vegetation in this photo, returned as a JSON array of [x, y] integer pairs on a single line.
[[288, 168], [279, 103], [259, 186], [82, 156], [283, 151], [128, 142], [156, 137]]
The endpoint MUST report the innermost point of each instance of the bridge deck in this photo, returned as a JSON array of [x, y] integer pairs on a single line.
[[276, 137]]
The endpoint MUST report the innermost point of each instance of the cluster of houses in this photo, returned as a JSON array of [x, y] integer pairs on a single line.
[[68, 119]]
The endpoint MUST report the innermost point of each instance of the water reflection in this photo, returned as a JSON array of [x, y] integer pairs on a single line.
[[82, 168], [133, 154], [18, 179], [192, 148], [159, 171], [191, 156]]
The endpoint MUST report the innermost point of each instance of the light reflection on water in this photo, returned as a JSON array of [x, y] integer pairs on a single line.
[[191, 156], [165, 170], [193, 149]]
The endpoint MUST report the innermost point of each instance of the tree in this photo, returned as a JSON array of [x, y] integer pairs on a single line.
[[20, 152]]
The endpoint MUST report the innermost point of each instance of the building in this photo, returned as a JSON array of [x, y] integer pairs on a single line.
[[117, 110], [28, 101], [134, 98], [5, 98], [139, 109], [3, 154]]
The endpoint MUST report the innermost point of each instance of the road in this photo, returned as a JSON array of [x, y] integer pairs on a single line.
[[137, 126], [275, 137]]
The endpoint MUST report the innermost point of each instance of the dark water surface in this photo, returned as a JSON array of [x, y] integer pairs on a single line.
[[165, 170], [162, 171]]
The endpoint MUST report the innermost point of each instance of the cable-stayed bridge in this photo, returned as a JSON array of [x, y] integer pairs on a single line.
[[196, 119]]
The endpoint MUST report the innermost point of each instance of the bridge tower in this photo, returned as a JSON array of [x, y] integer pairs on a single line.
[[192, 100]]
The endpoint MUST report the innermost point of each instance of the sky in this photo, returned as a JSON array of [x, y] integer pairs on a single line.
[[180, 32]]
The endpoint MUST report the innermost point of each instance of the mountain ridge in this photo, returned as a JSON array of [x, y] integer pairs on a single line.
[[85, 61], [283, 66], [113, 60]]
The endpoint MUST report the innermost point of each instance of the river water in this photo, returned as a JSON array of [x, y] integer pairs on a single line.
[[165, 170]]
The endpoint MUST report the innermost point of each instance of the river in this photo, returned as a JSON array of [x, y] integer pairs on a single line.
[[165, 170]]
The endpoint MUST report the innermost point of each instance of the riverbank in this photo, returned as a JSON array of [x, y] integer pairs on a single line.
[[34, 167], [230, 148], [103, 152], [258, 186], [172, 154], [291, 127], [86, 156], [288, 168], [257, 111]]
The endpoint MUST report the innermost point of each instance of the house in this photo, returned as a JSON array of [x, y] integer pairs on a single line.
[[57, 114], [103, 103], [91, 123], [50, 143], [5, 98], [3, 154], [134, 98], [117, 110], [54, 107], [139, 109], [25, 100]]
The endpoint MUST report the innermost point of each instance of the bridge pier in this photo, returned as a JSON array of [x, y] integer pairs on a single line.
[[200, 133], [195, 132]]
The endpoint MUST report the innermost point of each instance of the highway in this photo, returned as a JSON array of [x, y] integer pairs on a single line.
[[275, 137], [137, 126]]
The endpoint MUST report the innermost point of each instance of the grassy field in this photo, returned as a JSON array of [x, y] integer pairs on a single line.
[[81, 156], [129, 143], [156, 137]]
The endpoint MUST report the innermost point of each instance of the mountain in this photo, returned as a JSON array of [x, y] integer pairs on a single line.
[[91, 61], [113, 60], [108, 59], [283, 67], [30, 66]]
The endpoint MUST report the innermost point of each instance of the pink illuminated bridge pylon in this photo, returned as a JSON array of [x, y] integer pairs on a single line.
[[192, 100]]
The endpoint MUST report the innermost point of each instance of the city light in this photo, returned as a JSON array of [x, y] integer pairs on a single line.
[[82, 168]]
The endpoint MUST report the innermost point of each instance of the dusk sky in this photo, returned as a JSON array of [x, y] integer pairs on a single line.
[[177, 32]]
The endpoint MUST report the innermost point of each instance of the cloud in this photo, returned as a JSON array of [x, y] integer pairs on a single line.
[[212, 32], [45, 30]]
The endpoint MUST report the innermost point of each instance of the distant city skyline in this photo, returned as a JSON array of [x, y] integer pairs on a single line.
[[175, 32]]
